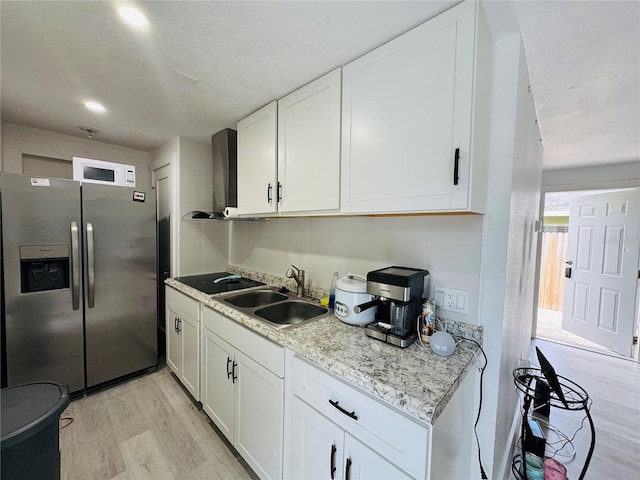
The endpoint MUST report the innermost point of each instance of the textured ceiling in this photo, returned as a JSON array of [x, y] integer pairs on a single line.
[[584, 59]]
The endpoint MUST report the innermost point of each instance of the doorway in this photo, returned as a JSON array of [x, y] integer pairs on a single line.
[[556, 266], [162, 184]]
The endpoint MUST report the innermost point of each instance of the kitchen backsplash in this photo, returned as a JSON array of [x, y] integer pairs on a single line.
[[449, 246]]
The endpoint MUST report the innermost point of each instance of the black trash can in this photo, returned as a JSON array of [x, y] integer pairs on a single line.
[[31, 430]]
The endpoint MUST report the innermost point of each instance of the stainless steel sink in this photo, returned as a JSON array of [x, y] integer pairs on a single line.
[[290, 313], [279, 310], [257, 298]]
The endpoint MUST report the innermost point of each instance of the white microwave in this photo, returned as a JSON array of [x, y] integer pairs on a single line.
[[88, 170]]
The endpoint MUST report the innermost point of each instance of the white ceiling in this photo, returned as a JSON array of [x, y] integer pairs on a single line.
[[584, 61]]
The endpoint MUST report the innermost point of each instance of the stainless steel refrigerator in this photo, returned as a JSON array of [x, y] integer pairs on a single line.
[[79, 281]]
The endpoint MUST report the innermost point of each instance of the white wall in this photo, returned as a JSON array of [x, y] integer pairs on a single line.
[[509, 250], [448, 246], [616, 175], [200, 246], [18, 140]]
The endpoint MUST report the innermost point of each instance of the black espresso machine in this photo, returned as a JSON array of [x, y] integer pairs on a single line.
[[397, 293]]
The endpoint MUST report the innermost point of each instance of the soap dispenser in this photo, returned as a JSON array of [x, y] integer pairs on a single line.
[[332, 292]]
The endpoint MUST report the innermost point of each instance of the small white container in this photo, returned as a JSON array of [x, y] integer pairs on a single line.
[[351, 290]]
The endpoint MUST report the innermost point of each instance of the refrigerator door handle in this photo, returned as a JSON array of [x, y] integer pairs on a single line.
[[75, 265], [91, 272]]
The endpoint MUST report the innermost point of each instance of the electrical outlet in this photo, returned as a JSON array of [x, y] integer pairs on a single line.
[[452, 300]]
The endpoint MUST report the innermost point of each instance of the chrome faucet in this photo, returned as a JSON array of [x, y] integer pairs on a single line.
[[298, 276]]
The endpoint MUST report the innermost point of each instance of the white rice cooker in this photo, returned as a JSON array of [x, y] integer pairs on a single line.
[[351, 290]]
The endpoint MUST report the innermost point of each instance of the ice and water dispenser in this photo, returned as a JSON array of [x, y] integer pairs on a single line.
[[44, 267]]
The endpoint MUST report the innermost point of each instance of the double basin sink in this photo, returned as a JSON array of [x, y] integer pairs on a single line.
[[278, 309]]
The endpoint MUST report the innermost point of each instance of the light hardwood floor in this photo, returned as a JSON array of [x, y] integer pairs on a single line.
[[145, 428], [613, 384]]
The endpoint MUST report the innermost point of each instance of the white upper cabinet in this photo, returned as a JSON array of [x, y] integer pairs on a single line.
[[257, 175], [309, 146], [409, 139], [302, 174]]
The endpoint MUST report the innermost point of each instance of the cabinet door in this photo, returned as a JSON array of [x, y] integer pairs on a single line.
[[317, 444], [259, 417], [360, 462], [406, 109], [309, 146], [190, 332], [257, 162], [173, 339], [218, 389]]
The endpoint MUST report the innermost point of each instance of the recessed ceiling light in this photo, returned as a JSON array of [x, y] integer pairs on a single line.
[[133, 16], [95, 107]]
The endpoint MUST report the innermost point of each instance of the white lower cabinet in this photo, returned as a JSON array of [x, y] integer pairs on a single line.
[[183, 339], [321, 449], [243, 395], [338, 432], [363, 463], [218, 387], [321, 426]]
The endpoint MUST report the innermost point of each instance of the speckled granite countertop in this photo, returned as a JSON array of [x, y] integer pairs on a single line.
[[417, 382]]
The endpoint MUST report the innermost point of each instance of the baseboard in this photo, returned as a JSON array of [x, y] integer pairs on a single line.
[[504, 472]]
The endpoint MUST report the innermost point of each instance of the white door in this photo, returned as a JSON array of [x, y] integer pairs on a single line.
[[189, 329], [317, 444], [257, 162], [218, 390], [309, 146], [604, 252], [363, 463], [406, 109], [259, 417], [174, 341]]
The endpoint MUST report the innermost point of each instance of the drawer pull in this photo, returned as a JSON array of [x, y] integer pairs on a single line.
[[333, 461], [456, 162], [347, 471], [233, 371], [349, 414], [229, 372]]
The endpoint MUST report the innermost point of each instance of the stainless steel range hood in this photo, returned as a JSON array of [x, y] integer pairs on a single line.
[[224, 148], [224, 152]]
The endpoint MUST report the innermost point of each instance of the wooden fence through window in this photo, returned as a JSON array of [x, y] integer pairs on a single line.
[[554, 252]]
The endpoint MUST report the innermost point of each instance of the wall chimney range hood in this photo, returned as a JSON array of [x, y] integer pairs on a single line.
[[224, 148]]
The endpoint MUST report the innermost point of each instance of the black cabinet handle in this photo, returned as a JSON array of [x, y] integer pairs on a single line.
[[279, 192], [179, 323], [228, 371], [269, 188], [175, 324], [233, 371], [332, 465], [349, 414], [456, 161], [347, 470]]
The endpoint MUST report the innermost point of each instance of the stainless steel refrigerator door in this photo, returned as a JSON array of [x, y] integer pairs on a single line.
[[44, 332], [120, 281]]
